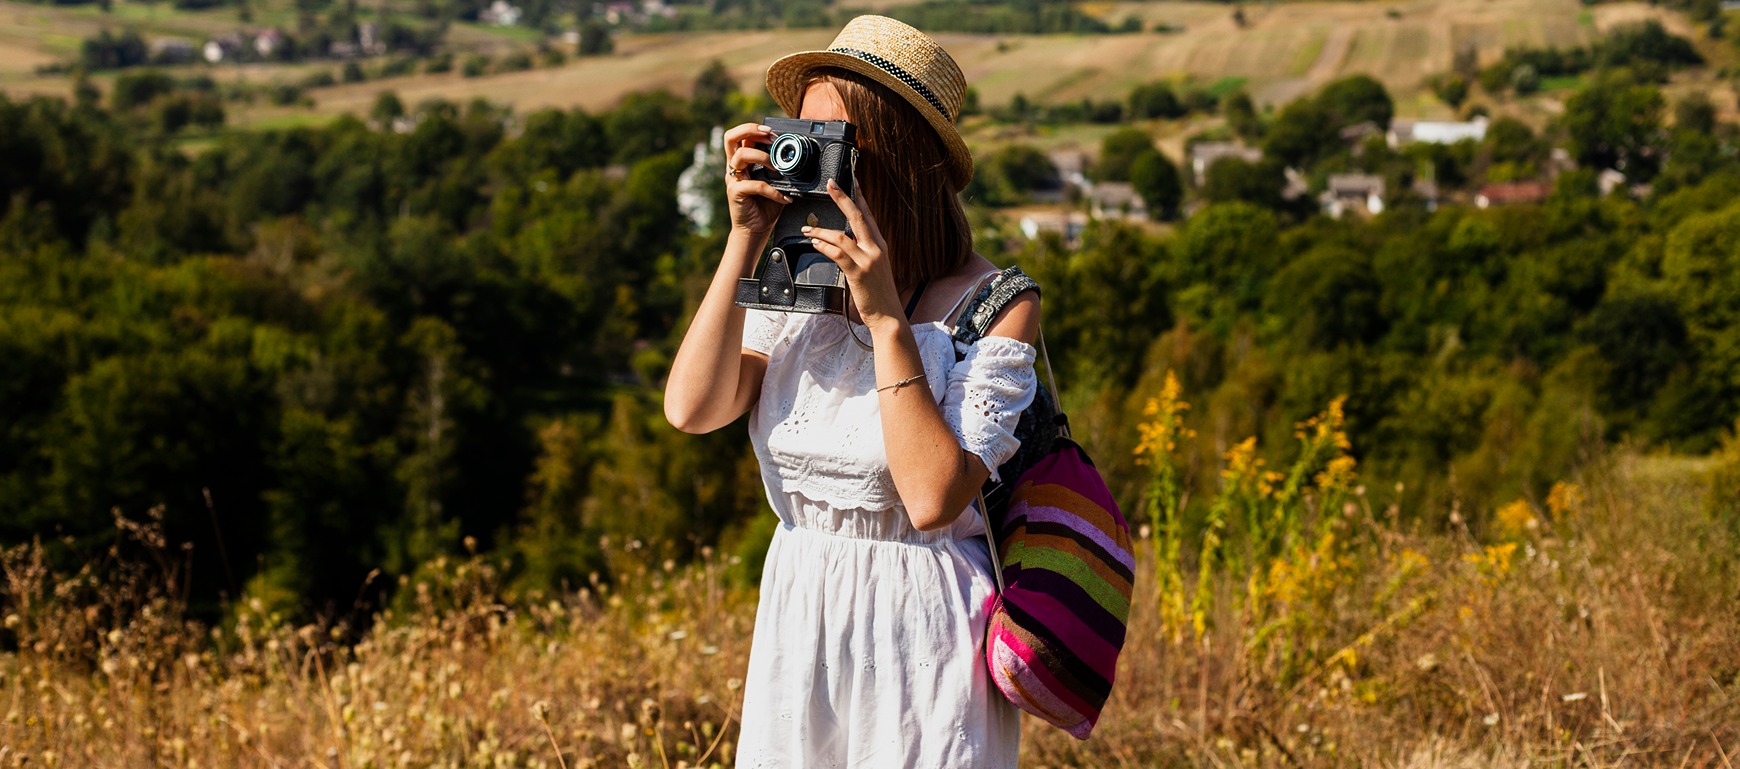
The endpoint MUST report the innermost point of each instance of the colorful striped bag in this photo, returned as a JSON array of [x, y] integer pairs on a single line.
[[1066, 569]]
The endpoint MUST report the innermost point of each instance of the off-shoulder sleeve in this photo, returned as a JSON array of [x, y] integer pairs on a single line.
[[988, 388], [761, 329]]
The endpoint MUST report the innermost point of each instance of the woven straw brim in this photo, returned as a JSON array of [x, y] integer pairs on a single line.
[[785, 81]]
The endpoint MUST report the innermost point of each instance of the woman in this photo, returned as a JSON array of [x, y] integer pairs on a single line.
[[868, 639]]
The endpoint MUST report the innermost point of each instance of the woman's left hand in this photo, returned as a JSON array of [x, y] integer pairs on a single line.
[[864, 259]]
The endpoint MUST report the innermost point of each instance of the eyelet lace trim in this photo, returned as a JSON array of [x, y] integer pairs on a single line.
[[817, 427]]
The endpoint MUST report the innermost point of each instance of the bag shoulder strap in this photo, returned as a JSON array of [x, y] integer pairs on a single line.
[[976, 318], [991, 541], [953, 316]]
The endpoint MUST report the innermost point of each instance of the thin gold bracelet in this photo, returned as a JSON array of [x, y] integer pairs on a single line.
[[900, 384]]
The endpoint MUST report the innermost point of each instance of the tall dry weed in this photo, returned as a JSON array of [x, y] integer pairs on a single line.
[[640, 673], [1291, 621], [1603, 630]]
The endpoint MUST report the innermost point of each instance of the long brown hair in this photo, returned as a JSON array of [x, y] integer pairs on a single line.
[[903, 169]]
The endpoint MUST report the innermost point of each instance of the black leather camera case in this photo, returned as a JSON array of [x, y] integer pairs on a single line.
[[792, 275]]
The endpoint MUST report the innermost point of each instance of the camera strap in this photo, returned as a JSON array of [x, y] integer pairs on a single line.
[[912, 304]]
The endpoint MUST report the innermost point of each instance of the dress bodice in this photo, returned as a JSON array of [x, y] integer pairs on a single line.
[[817, 427]]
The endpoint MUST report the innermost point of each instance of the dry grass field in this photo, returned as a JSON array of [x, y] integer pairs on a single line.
[[1286, 49], [33, 35], [1602, 630]]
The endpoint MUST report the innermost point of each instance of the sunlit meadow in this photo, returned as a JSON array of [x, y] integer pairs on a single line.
[[1291, 620]]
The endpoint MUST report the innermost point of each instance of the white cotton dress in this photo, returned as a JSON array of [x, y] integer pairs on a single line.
[[869, 636]]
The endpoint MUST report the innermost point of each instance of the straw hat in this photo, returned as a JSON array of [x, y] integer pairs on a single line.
[[895, 55]]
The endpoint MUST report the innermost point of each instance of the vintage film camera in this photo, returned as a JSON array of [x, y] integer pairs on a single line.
[[791, 275]]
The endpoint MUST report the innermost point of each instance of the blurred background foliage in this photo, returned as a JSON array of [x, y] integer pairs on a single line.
[[328, 350]]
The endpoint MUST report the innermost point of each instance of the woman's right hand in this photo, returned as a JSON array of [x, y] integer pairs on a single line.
[[755, 205]]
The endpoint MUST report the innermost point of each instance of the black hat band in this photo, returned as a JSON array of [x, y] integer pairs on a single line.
[[901, 74]]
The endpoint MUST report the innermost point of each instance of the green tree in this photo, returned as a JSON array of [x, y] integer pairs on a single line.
[[648, 123], [1223, 262], [1643, 340], [1525, 79], [1356, 99], [1452, 89], [1235, 179], [134, 90], [1615, 122], [1155, 100], [1695, 113], [1156, 179], [388, 108], [1006, 176], [713, 93], [1241, 114], [1118, 151], [595, 40], [1328, 297], [1303, 132], [442, 392]]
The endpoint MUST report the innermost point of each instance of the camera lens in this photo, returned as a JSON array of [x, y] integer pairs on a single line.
[[791, 152]]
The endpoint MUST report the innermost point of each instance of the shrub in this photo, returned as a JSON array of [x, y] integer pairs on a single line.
[[138, 89], [518, 61], [1118, 151], [1155, 100], [319, 79]]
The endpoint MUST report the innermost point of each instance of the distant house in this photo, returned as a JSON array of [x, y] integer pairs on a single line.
[[1560, 161], [1356, 134], [268, 42], [697, 184], [1427, 189], [1051, 190], [500, 13], [1359, 193], [1204, 154], [1116, 200], [1067, 224], [368, 38], [1608, 181], [172, 51], [1071, 167], [1297, 185], [1511, 193], [1403, 132], [222, 48], [618, 12]]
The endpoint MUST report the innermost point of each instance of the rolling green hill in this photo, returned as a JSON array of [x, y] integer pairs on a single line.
[[1282, 51]]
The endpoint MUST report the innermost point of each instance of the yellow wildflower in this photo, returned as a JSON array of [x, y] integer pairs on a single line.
[[1328, 427], [1338, 475], [1494, 562], [1242, 460], [1159, 436], [1564, 500], [1410, 561], [1516, 519]]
